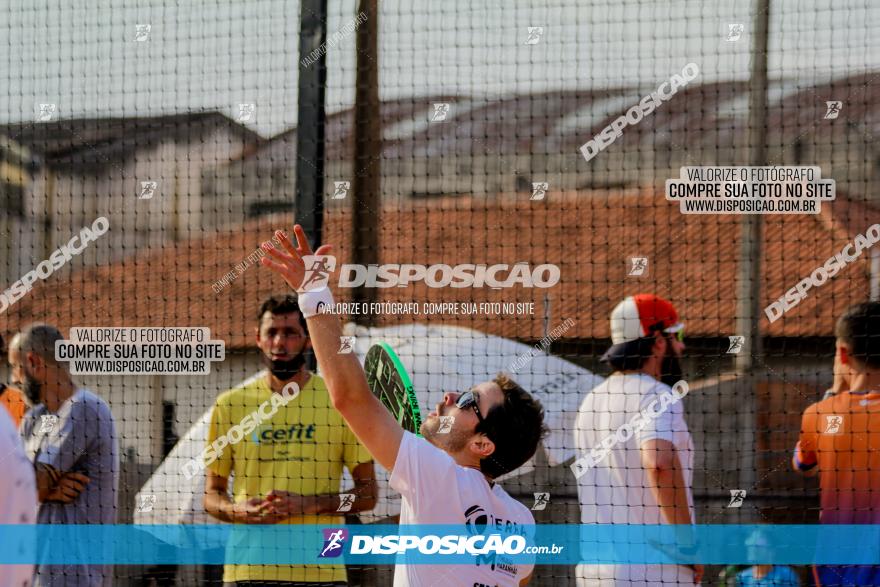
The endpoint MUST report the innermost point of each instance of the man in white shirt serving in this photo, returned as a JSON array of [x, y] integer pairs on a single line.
[[443, 478], [637, 456]]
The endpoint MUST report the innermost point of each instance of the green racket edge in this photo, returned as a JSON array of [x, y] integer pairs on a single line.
[[412, 401]]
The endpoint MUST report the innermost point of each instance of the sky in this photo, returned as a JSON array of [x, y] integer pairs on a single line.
[[82, 54]]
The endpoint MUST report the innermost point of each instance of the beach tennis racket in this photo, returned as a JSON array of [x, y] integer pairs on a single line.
[[389, 381]]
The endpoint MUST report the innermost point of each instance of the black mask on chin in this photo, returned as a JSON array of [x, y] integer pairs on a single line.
[[31, 389], [670, 369], [285, 370]]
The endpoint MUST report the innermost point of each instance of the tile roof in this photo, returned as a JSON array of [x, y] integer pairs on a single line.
[[68, 141], [590, 235], [707, 116]]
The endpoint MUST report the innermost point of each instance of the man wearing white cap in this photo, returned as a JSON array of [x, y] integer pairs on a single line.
[[636, 454]]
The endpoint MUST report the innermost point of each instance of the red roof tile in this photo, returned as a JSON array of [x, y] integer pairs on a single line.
[[590, 235]]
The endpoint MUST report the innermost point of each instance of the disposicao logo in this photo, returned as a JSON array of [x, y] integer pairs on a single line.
[[334, 541], [319, 268]]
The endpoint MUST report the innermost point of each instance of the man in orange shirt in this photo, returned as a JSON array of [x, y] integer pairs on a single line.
[[12, 398], [840, 438]]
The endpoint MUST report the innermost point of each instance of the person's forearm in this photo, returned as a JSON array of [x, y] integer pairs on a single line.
[[667, 484], [219, 506], [342, 372], [47, 479]]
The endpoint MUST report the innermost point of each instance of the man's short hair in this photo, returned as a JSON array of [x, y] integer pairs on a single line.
[[280, 305], [516, 426], [40, 339], [859, 329]]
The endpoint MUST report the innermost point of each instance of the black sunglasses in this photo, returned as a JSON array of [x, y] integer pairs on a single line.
[[469, 398]]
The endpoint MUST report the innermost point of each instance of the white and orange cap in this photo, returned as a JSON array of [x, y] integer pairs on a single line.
[[637, 317]]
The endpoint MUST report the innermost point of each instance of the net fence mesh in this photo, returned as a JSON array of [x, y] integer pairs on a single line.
[[539, 134]]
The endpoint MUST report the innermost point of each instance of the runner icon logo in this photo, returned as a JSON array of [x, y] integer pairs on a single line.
[[334, 540]]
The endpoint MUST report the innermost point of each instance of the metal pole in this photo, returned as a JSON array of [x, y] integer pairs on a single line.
[[748, 310], [547, 315], [49, 215], [311, 116], [748, 307], [367, 201], [875, 275]]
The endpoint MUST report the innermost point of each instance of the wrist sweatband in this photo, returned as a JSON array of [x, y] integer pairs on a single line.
[[316, 301]]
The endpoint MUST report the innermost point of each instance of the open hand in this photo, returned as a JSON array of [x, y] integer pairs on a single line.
[[250, 512], [289, 263], [287, 504]]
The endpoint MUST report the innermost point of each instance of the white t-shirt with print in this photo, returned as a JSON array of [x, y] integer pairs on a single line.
[[436, 490], [616, 489]]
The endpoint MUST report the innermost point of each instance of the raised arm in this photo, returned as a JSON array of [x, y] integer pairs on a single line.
[[373, 425]]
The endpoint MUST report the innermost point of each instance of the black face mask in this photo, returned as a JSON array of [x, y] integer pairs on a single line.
[[670, 369], [31, 390], [285, 370]]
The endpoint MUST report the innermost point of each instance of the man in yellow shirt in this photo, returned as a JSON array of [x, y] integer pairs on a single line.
[[288, 467]]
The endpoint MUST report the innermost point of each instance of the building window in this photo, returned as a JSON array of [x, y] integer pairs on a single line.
[[12, 199]]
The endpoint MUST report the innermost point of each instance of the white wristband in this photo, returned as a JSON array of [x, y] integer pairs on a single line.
[[317, 301]]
